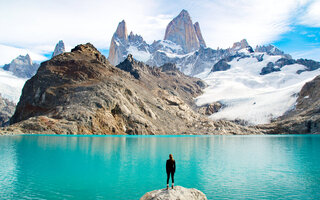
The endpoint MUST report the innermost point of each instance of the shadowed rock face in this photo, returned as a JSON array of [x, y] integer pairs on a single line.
[[82, 93], [182, 32], [305, 118], [199, 35], [173, 194]]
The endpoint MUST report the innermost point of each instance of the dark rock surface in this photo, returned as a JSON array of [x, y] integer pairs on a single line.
[[82, 93], [310, 65], [222, 65]]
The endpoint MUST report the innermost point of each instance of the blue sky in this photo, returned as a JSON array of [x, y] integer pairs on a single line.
[[35, 26], [301, 41]]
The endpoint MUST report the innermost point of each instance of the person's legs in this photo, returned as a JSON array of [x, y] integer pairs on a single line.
[[172, 178], [168, 176]]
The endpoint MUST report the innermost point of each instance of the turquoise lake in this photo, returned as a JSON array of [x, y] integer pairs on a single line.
[[223, 167]]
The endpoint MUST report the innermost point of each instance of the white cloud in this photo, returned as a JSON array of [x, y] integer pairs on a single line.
[[38, 25], [311, 16], [8, 53]]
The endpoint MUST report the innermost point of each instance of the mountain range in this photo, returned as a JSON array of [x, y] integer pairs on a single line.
[[241, 79], [177, 85]]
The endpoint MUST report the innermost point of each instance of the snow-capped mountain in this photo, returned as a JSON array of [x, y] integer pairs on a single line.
[[252, 85], [14, 75], [22, 66], [183, 45]]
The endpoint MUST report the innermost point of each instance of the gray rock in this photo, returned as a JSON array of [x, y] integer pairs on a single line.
[[59, 49], [22, 66], [310, 65], [269, 69], [222, 65], [178, 192]]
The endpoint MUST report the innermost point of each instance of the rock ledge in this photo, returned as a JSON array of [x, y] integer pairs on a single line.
[[178, 192]]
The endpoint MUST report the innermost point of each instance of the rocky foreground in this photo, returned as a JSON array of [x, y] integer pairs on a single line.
[[82, 93], [178, 192]]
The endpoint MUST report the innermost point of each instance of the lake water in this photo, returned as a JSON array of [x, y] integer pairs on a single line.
[[223, 167]]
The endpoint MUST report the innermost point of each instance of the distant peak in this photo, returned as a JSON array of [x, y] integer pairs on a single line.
[[59, 49], [121, 31], [181, 31], [183, 14]]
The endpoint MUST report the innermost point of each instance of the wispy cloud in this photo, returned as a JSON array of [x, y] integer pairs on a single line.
[[37, 24], [311, 17]]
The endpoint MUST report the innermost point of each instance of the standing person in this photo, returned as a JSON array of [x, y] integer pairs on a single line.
[[171, 169]]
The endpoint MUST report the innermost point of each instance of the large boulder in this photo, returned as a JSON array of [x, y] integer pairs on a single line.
[[178, 192]]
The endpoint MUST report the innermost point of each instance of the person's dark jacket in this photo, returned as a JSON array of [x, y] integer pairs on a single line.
[[171, 166]]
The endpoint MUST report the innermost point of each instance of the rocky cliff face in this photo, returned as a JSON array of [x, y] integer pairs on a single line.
[[181, 31], [118, 45], [22, 66], [304, 118], [199, 34], [173, 194], [59, 49], [82, 93], [6, 110]]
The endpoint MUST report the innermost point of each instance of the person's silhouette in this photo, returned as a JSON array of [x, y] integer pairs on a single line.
[[171, 169]]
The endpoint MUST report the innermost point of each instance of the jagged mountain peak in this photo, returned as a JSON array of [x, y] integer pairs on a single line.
[[121, 31], [59, 49], [184, 14], [22, 66], [199, 34], [182, 32]]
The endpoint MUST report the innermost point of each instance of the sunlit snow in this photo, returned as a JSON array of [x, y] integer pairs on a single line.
[[250, 96], [10, 85]]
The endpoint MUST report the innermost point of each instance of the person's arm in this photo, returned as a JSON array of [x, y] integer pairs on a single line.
[[174, 166], [167, 167]]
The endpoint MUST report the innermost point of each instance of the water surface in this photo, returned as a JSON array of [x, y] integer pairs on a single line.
[[223, 167]]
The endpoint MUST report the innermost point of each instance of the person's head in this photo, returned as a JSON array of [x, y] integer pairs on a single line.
[[170, 156]]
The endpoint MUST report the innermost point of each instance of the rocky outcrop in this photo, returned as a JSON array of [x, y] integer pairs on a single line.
[[222, 65], [6, 110], [310, 65], [182, 32], [59, 49], [22, 66], [82, 93], [304, 118], [173, 194], [209, 109], [269, 69], [270, 50]]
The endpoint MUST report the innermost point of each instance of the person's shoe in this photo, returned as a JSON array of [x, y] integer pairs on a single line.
[[172, 186], [167, 187]]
